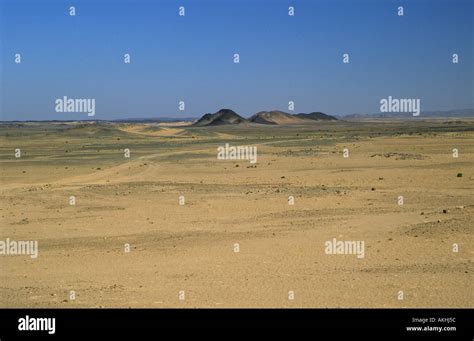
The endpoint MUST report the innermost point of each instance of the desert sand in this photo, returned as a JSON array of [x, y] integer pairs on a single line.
[[191, 247]]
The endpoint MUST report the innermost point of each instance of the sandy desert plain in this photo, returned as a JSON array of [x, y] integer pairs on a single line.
[[190, 247]]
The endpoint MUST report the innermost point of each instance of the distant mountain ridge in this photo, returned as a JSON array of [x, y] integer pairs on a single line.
[[318, 116], [427, 114], [154, 120], [274, 117]]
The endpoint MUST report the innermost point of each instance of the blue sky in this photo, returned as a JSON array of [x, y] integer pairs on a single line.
[[190, 58]]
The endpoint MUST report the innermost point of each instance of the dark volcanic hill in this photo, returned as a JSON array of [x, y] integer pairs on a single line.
[[317, 116], [275, 117], [223, 116]]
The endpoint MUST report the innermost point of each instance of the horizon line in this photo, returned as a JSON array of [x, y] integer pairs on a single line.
[[191, 118]]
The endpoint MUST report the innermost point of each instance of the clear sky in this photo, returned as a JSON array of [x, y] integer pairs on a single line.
[[190, 58]]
